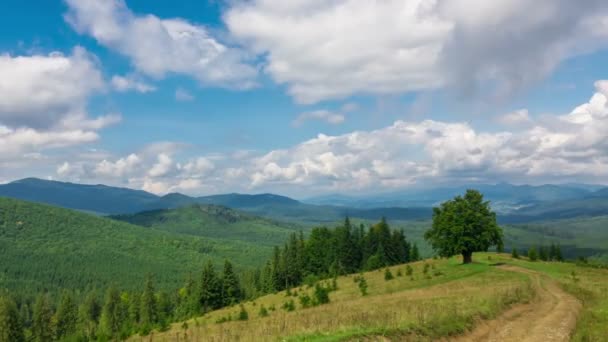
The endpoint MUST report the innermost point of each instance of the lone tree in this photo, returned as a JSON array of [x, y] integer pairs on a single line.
[[464, 225]]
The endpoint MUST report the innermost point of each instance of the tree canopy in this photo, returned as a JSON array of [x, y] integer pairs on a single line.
[[464, 225]]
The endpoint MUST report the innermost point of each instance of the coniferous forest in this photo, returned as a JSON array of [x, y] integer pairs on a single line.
[[114, 313]]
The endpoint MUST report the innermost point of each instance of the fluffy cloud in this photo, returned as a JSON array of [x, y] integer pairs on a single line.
[[157, 46], [322, 115], [18, 141], [37, 91], [332, 49], [130, 82], [516, 118], [571, 147]]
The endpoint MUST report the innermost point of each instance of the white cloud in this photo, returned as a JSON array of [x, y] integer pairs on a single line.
[[120, 168], [130, 82], [17, 141], [515, 118], [322, 115], [332, 49], [571, 147], [162, 167], [158, 46], [37, 91], [183, 95]]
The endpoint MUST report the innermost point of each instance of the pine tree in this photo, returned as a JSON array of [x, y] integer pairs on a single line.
[[134, 309], [112, 314], [542, 253], [88, 316], [66, 317], [11, 327], [532, 255], [414, 255], [558, 253], [514, 253], [42, 326], [210, 289], [231, 289], [148, 314]]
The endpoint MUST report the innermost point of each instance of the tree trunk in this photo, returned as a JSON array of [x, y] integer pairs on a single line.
[[467, 257]]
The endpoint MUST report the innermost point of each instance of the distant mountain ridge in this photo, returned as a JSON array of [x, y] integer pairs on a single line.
[[514, 203]]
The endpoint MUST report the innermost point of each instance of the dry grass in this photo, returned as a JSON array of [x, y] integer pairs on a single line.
[[425, 307]]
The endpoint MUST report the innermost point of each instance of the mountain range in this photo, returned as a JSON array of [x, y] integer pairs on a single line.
[[514, 203]]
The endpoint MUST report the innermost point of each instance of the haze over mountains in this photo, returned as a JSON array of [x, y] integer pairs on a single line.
[[514, 203]]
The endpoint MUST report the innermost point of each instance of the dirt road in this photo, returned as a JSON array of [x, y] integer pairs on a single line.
[[550, 317]]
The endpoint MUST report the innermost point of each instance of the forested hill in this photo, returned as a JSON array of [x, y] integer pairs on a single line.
[[49, 247], [214, 221]]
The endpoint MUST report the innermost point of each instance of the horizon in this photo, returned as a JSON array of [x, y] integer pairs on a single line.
[[215, 103]]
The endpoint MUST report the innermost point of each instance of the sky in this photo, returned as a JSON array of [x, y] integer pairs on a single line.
[[304, 98]]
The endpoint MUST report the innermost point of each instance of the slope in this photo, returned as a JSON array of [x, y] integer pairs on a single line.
[[49, 247], [214, 221], [447, 300]]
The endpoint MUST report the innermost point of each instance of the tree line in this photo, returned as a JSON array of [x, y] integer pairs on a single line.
[[327, 252]]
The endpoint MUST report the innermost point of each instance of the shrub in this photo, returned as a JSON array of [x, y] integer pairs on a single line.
[[305, 301], [289, 305], [514, 253], [321, 295], [263, 312], [409, 270], [532, 255], [310, 280], [243, 315], [363, 286], [388, 275], [399, 273], [426, 269]]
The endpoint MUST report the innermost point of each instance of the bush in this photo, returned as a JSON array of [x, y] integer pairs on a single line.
[[363, 286], [310, 280], [263, 312], [321, 295], [243, 315], [532, 255], [409, 270], [289, 305], [388, 275], [223, 319], [514, 253], [305, 301], [399, 273], [426, 269]]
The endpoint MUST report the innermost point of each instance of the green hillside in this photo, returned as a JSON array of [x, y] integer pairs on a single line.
[[423, 301], [45, 247], [214, 221]]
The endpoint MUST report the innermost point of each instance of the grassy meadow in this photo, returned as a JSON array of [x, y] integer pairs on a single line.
[[447, 299]]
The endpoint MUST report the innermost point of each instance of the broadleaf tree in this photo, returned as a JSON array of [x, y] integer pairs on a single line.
[[464, 225]]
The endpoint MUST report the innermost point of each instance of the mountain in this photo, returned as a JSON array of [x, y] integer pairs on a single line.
[[99, 199], [107, 200], [45, 247], [213, 221], [505, 197]]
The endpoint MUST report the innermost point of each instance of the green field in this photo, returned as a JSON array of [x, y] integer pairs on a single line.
[[449, 300]]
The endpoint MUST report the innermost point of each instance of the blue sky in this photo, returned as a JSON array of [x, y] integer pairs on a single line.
[[303, 98]]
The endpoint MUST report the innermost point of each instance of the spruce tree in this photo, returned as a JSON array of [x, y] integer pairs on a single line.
[[11, 327], [558, 253], [88, 316], [514, 253], [148, 314], [231, 289], [210, 289], [542, 253], [42, 325], [414, 254], [66, 317], [112, 315], [532, 255]]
